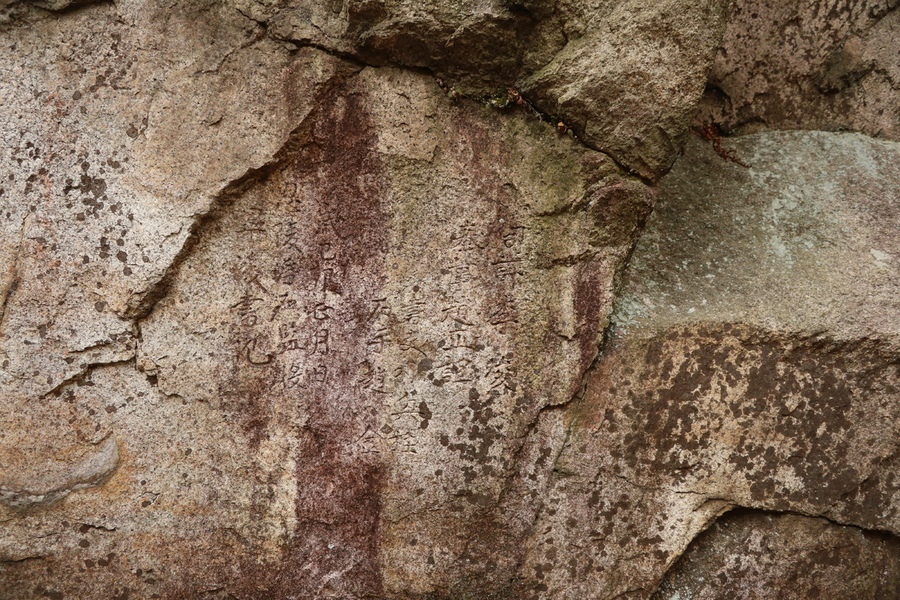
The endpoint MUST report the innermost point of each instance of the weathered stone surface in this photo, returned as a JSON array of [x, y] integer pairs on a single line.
[[629, 83], [130, 164], [110, 153], [59, 4], [754, 363], [749, 555], [119, 130], [624, 76], [284, 315], [405, 324], [807, 65], [803, 242], [362, 336], [183, 506], [49, 483]]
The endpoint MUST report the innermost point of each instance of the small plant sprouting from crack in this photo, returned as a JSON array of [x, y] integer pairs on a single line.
[[511, 98], [711, 133], [450, 92]]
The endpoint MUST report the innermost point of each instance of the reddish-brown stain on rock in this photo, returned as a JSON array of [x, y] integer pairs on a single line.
[[339, 493]]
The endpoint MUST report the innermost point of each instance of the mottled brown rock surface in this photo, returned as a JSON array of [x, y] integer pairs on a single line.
[[749, 555], [807, 65], [333, 300], [753, 363]]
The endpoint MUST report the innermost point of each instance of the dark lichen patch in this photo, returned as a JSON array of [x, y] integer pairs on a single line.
[[482, 429], [425, 414], [788, 418]]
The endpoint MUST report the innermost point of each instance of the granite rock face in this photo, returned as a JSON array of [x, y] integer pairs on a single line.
[[753, 362], [807, 65], [624, 76], [402, 326], [758, 555], [365, 299]]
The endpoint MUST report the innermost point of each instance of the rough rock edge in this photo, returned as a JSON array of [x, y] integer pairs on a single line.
[[760, 511], [91, 471], [359, 59]]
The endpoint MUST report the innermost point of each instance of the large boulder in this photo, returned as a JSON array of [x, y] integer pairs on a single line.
[[754, 361], [329, 299]]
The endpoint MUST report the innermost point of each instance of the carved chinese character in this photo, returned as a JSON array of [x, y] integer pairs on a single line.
[[319, 373], [508, 268], [502, 313], [404, 441], [320, 342], [294, 376], [373, 377], [367, 442], [380, 309], [290, 344], [247, 308], [322, 311], [514, 237], [465, 238], [253, 355], [404, 405]]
